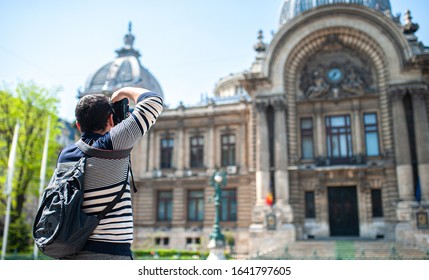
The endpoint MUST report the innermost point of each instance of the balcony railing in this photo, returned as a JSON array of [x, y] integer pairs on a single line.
[[331, 161]]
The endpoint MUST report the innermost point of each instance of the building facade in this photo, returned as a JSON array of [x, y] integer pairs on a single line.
[[331, 119]]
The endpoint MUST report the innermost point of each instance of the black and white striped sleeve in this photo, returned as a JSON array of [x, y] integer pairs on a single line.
[[147, 110]]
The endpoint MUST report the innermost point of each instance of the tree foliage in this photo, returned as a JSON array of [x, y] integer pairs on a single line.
[[31, 106]]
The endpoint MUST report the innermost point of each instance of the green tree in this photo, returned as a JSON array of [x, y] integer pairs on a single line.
[[30, 105]]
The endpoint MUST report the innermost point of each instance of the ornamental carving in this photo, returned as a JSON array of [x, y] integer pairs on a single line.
[[279, 103], [336, 72], [261, 105], [417, 91]]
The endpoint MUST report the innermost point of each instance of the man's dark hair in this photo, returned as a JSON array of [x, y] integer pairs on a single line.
[[92, 112]]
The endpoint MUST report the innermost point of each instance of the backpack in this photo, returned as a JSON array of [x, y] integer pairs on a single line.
[[60, 227]]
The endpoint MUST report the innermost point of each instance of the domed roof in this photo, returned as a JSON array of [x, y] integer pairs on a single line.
[[125, 70], [292, 8]]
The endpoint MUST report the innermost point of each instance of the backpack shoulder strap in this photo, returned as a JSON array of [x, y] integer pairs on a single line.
[[99, 153], [112, 204]]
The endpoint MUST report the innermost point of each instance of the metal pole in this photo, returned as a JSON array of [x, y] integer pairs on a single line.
[[43, 175], [217, 240], [216, 233], [217, 182], [8, 190]]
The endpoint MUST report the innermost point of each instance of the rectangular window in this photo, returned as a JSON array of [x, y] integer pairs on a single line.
[[197, 151], [190, 240], [165, 206], [195, 206], [167, 145], [371, 134], [310, 209], [307, 138], [162, 241], [377, 205], [228, 149], [339, 138], [228, 205]]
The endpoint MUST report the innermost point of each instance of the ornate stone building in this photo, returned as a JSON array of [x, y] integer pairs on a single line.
[[331, 118]]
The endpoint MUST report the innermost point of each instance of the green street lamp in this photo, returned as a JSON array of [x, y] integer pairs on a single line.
[[217, 239]]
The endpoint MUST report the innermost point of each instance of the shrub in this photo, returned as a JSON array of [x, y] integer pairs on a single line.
[[19, 237]]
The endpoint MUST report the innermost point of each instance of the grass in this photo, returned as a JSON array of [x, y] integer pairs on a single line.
[[345, 250], [161, 254]]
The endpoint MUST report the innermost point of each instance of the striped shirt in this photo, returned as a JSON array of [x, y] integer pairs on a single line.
[[104, 178]]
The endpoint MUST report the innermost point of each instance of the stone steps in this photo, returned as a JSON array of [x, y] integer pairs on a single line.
[[346, 249]]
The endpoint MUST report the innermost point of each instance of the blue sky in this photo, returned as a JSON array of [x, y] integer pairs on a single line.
[[188, 45]]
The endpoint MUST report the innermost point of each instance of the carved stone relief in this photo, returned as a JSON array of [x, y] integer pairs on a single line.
[[336, 72]]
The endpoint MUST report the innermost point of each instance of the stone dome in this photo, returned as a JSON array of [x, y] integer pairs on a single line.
[[292, 8], [125, 70]]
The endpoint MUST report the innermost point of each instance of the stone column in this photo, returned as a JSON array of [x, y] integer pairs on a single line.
[[262, 154], [422, 141], [211, 147], [156, 146], [180, 149], [179, 208], [357, 128], [281, 152], [320, 151], [243, 145], [404, 170], [153, 152]]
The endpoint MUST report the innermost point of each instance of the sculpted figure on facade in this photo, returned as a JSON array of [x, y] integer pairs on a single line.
[[353, 83], [318, 87]]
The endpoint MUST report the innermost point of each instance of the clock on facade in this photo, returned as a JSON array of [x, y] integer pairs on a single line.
[[335, 75]]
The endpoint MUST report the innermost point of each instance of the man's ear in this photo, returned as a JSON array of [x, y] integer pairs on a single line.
[[78, 126], [110, 120]]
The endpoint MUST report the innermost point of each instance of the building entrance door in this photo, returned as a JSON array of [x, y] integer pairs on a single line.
[[343, 211]]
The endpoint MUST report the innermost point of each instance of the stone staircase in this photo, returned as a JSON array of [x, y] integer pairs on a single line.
[[346, 250]]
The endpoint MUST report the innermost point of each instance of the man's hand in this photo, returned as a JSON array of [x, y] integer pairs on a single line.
[[132, 93]]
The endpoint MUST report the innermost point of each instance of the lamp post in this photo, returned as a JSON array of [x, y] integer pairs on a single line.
[[217, 239]]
